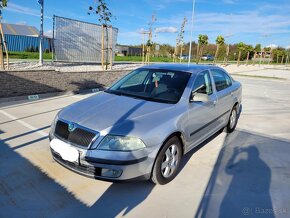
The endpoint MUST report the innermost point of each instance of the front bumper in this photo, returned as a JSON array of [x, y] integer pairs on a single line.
[[91, 165]]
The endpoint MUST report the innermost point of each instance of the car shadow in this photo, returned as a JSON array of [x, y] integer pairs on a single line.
[[27, 191]]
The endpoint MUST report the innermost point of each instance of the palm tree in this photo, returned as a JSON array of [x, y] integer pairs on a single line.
[[202, 41], [241, 47], [249, 49], [3, 4], [220, 40]]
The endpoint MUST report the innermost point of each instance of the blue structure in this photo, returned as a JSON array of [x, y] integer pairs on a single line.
[[21, 37], [21, 43]]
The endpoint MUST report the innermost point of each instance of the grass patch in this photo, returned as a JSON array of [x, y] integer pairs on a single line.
[[28, 55]]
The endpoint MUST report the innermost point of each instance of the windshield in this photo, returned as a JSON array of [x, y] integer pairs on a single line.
[[164, 86]]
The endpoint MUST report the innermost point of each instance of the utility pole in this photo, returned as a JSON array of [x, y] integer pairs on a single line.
[[41, 33]]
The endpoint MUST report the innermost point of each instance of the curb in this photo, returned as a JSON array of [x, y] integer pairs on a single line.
[[48, 95]]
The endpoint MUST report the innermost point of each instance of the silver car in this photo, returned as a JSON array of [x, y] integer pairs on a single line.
[[141, 126]]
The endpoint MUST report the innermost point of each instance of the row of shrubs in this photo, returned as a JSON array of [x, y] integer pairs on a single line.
[[35, 49]]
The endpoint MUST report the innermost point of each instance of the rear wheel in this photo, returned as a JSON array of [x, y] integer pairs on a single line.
[[167, 162], [233, 120]]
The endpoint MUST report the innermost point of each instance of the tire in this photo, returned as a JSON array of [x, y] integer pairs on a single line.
[[233, 120], [167, 162]]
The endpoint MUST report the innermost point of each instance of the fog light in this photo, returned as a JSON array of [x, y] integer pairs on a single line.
[[111, 173]]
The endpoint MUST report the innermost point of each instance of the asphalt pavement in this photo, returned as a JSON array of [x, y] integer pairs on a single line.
[[242, 174]]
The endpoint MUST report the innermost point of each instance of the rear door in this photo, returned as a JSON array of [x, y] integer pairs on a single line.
[[222, 83]]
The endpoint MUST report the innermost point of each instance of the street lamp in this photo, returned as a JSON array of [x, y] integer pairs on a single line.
[[41, 32], [191, 31]]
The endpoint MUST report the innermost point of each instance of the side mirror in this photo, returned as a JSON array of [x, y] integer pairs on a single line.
[[199, 97]]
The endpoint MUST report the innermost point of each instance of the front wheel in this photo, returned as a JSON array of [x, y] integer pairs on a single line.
[[167, 162], [233, 120]]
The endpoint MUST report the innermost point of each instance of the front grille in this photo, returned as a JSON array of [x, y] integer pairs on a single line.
[[78, 136], [87, 170]]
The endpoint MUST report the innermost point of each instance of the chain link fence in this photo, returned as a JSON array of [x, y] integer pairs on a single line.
[[77, 41]]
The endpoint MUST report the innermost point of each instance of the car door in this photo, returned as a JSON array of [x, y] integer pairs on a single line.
[[201, 114], [222, 84]]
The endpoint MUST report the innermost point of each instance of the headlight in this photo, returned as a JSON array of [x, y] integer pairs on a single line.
[[121, 143]]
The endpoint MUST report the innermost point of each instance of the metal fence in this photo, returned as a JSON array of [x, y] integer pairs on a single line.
[[77, 41]]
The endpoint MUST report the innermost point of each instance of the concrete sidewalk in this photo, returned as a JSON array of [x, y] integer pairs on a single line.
[[270, 71], [241, 174]]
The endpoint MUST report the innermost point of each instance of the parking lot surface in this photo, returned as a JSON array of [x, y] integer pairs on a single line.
[[243, 174]]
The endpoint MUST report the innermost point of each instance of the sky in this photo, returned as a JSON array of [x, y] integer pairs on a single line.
[[250, 21]]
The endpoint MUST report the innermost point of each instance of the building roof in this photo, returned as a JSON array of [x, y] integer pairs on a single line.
[[17, 29]]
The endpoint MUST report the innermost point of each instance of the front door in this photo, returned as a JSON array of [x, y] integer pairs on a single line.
[[201, 115]]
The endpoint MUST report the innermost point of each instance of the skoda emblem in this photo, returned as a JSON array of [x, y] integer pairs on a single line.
[[71, 127]]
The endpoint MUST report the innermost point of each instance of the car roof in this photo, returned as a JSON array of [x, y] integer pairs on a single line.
[[192, 68]]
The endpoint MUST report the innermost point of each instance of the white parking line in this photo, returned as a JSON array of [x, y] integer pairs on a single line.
[[23, 123]]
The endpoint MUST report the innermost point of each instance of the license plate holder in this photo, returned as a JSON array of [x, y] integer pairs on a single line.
[[66, 151]]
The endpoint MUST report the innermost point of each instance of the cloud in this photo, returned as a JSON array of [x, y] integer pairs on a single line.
[[249, 22], [229, 1], [23, 10], [271, 46], [169, 29], [288, 47], [22, 23], [48, 33]]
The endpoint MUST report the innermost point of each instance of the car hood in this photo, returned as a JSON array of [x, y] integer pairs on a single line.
[[115, 114]]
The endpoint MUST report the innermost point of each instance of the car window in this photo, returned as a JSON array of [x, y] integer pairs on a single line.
[[202, 83], [135, 79], [221, 79], [158, 85]]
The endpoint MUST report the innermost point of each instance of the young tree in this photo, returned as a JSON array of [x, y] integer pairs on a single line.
[[220, 40], [249, 49], [104, 16], [256, 50], [202, 41], [3, 4], [241, 47]]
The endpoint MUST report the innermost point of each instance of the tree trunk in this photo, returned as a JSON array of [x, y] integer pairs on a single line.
[[248, 55], [239, 57], [197, 53], [216, 53], [282, 59], [270, 58], [254, 59], [200, 54], [107, 49]]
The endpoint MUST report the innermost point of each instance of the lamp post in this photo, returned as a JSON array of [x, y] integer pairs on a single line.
[[41, 33], [191, 31]]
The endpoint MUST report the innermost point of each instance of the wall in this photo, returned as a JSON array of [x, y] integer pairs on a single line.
[[37, 82], [20, 43]]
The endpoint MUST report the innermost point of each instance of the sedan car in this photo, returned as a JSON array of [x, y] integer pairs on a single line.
[[141, 126], [207, 58]]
